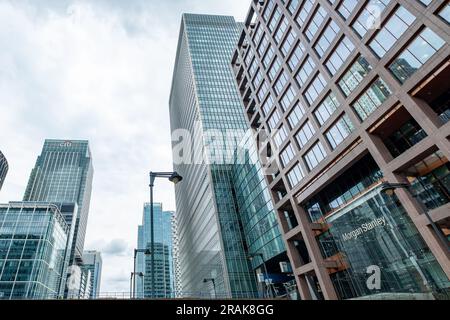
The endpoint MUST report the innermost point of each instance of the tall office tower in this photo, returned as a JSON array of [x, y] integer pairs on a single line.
[[164, 271], [33, 251], [355, 98], [225, 215], [63, 173], [92, 261], [178, 290], [3, 169]]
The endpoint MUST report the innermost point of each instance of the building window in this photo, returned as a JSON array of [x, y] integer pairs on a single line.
[[304, 12], [316, 87], [326, 38], [287, 155], [341, 130], [370, 17], [326, 108], [315, 155], [295, 176], [296, 115], [305, 134], [340, 55], [346, 8], [354, 76], [316, 22], [287, 98], [402, 139], [374, 97], [305, 71], [296, 56], [422, 48], [392, 31]]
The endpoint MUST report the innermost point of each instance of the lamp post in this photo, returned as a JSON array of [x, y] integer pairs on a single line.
[[389, 189], [254, 255], [133, 274], [175, 178], [214, 285]]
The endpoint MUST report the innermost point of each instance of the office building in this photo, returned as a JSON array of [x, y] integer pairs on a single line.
[[92, 261], [33, 251], [63, 174], [163, 255], [3, 169], [354, 98], [225, 214]]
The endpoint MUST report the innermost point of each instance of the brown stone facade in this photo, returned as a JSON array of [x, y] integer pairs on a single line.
[[420, 99]]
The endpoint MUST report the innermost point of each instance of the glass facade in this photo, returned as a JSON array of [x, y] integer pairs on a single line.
[[363, 228], [231, 214], [3, 169], [64, 173], [374, 232], [92, 261], [163, 255], [33, 254]]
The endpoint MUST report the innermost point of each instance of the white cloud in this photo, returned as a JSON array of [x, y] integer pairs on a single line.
[[98, 70]]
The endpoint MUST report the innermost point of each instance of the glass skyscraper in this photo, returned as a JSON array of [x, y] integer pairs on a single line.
[[63, 174], [3, 169], [92, 261], [33, 251], [224, 213], [163, 255]]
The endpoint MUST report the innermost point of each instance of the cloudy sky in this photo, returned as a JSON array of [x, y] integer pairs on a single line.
[[98, 70]]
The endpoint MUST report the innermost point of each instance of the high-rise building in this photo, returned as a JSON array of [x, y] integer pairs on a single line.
[[3, 169], [63, 174], [33, 251], [163, 255], [92, 261], [225, 214], [354, 97]]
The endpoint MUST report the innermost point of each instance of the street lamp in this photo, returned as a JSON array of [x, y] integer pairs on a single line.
[[214, 284], [175, 178], [133, 278], [254, 255], [147, 252], [389, 189]]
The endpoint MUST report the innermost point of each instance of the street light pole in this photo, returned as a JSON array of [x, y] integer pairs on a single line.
[[175, 178], [133, 274]]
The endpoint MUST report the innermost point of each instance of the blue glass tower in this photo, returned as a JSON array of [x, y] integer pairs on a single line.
[[33, 251], [224, 210], [164, 264], [63, 174]]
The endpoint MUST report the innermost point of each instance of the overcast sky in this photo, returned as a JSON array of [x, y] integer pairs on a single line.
[[98, 70]]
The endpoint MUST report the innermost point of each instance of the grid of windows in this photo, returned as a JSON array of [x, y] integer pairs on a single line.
[[422, 48], [336, 88], [396, 26]]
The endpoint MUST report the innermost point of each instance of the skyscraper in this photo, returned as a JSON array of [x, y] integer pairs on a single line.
[[164, 268], [63, 174], [3, 169], [33, 251], [92, 261], [354, 98], [225, 214]]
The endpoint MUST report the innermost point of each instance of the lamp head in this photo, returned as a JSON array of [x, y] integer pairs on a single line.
[[175, 178]]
